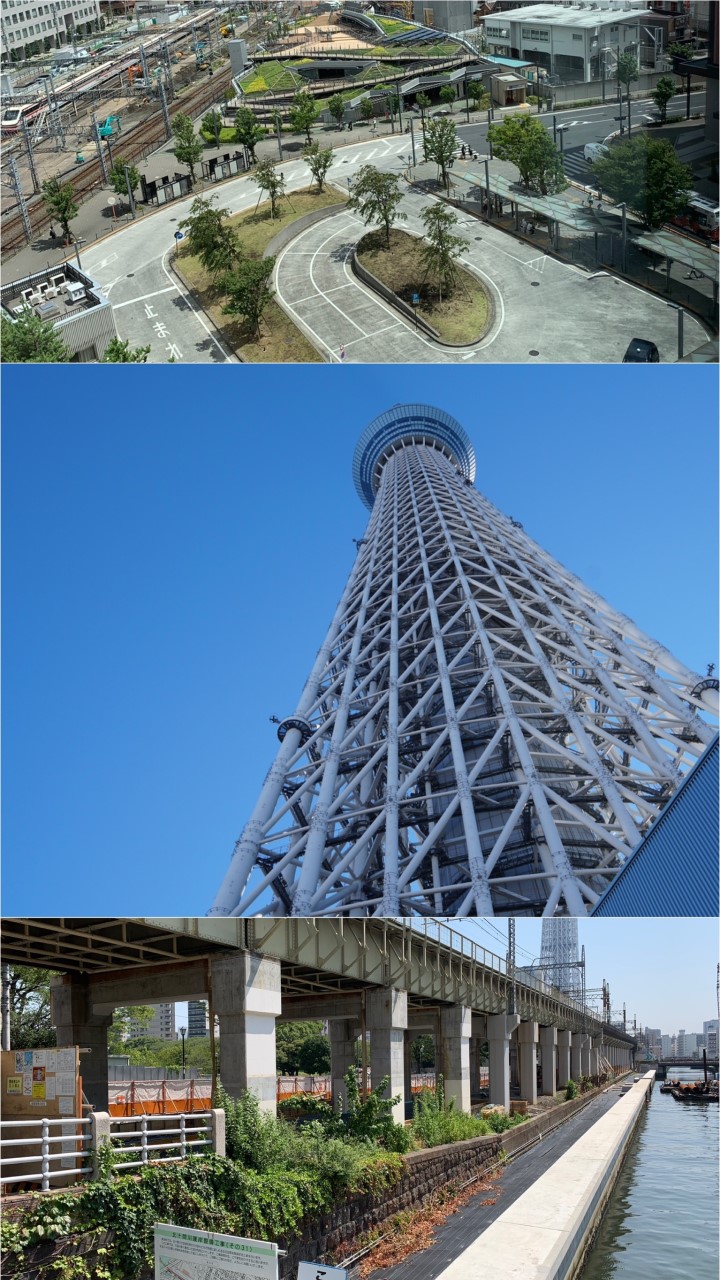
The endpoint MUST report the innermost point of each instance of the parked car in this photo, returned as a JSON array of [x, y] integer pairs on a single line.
[[641, 351]]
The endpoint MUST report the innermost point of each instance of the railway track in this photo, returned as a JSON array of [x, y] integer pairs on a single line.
[[137, 145]]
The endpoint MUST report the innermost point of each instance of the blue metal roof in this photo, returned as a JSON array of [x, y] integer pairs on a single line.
[[409, 422], [674, 870], [508, 62]]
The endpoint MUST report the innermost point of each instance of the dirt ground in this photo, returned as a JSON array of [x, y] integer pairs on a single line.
[[322, 37]]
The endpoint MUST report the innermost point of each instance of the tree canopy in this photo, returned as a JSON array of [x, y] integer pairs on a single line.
[[303, 113], [526, 143], [59, 200], [28, 992], [319, 161], [247, 130], [30, 340], [188, 146], [440, 143], [646, 174], [376, 197], [441, 248], [248, 290], [119, 351]]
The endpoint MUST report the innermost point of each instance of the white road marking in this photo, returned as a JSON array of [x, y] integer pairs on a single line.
[[171, 288], [228, 359]]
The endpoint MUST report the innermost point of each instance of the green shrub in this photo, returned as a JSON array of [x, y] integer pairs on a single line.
[[570, 1090], [372, 1119], [436, 1121]]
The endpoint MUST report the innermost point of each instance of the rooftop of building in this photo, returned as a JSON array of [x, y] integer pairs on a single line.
[[57, 293], [581, 15]]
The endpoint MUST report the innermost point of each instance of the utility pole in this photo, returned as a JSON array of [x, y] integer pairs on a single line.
[[101, 153], [511, 964], [30, 156], [166, 113], [15, 182], [131, 198]]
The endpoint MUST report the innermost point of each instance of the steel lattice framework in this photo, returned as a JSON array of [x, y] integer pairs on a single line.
[[480, 734], [559, 954]]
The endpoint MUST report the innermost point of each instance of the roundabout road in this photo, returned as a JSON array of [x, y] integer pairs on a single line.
[[541, 305]]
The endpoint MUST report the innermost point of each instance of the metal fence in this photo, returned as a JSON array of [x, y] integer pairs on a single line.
[[61, 1150], [42, 1152]]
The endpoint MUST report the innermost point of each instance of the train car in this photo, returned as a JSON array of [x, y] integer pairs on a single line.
[[13, 114]]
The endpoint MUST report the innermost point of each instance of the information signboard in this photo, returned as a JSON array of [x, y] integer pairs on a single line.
[[184, 1254]]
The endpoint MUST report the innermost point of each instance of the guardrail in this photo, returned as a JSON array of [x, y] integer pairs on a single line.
[[41, 1165], [136, 1141], [151, 1143]]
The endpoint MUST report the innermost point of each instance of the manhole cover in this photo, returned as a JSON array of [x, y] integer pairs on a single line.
[[535, 284], [533, 353]]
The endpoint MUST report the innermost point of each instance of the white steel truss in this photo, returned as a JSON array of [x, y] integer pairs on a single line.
[[480, 734], [559, 954]]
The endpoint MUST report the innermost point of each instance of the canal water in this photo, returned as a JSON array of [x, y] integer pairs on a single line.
[[662, 1219]]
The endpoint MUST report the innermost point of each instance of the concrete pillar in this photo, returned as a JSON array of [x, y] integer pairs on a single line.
[[527, 1058], [500, 1027], [585, 1055], [343, 1040], [408, 1037], [246, 999], [76, 1023], [564, 1042], [386, 1020], [576, 1046], [100, 1136], [474, 1066], [548, 1060], [596, 1053], [453, 1057], [217, 1131]]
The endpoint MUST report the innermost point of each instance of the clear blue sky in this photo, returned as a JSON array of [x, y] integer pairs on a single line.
[[175, 543], [663, 971]]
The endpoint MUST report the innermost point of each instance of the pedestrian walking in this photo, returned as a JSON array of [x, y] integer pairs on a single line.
[[342, 351], [53, 234]]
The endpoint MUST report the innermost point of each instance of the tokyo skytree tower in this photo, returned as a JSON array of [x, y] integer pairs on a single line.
[[480, 734], [559, 955]]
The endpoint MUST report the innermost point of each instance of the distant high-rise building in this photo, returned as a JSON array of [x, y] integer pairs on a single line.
[[710, 1032], [161, 1027], [667, 1047], [480, 734], [197, 1018], [653, 1039], [559, 955]]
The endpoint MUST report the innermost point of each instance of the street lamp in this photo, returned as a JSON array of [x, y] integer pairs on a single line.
[[183, 1033]]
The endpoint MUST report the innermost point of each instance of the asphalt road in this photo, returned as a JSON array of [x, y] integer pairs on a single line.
[[544, 309]]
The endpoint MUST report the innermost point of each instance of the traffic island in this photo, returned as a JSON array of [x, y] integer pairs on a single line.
[[278, 339], [398, 272]]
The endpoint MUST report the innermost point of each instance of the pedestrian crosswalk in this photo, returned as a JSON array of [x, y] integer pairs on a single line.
[[575, 166]]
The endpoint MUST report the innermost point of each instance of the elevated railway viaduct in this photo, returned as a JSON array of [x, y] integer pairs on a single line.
[[387, 980]]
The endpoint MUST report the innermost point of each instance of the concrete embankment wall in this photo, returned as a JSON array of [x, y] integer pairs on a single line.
[[544, 1234]]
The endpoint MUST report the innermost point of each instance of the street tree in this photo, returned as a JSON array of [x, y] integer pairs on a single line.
[[424, 102], [664, 90], [271, 180], [646, 174], [59, 200], [118, 180], [120, 352], [303, 113], [440, 142], [28, 339], [27, 991], [526, 143], [441, 248], [367, 110], [248, 290], [319, 160], [122, 1024], [247, 130], [210, 126], [477, 93], [626, 72], [376, 196], [204, 225], [447, 94], [188, 146], [301, 1047], [336, 107]]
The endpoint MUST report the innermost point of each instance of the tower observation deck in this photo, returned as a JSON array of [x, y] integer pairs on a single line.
[[481, 734]]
